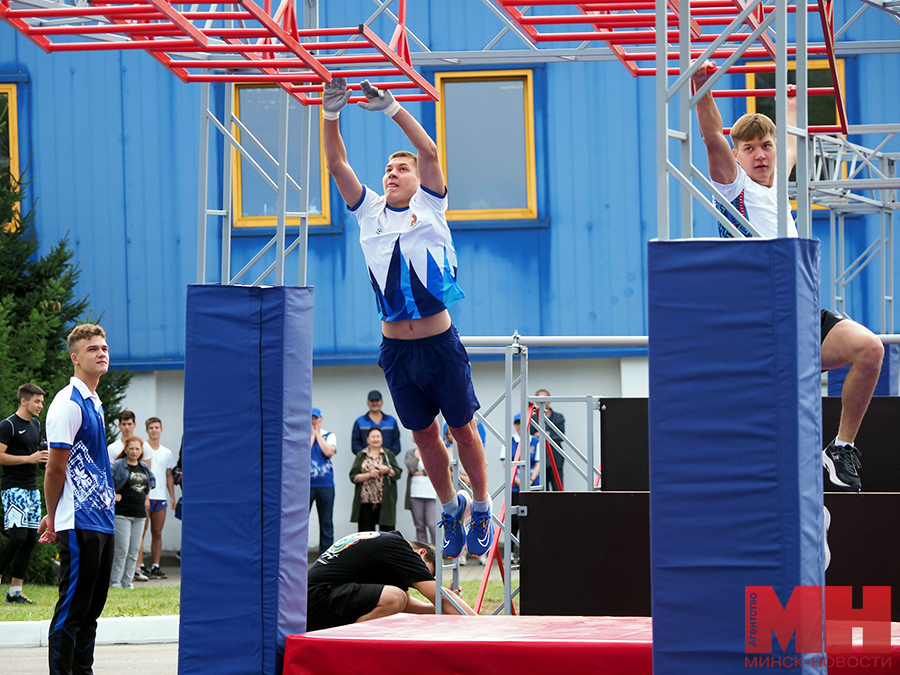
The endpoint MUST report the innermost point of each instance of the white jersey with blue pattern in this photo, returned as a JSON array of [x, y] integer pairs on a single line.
[[409, 253], [757, 203], [75, 423]]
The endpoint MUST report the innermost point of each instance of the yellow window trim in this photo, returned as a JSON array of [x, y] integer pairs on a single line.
[[12, 129], [527, 77], [240, 220], [812, 64]]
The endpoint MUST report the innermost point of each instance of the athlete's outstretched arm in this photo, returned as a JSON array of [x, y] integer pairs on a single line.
[[722, 165], [792, 121], [429, 590], [334, 98], [430, 174]]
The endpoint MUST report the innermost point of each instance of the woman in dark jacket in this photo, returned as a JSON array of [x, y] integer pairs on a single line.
[[133, 481], [375, 473]]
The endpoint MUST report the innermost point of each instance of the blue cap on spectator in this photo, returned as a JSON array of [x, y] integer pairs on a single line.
[[316, 412], [374, 395], [517, 418]]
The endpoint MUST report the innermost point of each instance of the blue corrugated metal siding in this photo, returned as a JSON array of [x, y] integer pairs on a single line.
[[114, 147], [112, 139]]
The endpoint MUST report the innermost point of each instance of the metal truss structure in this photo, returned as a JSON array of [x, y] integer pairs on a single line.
[[851, 180], [242, 42]]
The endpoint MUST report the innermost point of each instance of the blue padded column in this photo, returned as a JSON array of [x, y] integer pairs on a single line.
[[735, 453], [248, 389]]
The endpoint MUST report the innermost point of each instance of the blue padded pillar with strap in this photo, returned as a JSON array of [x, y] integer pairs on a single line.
[[248, 389], [735, 447]]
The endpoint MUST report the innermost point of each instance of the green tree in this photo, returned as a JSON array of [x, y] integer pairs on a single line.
[[38, 307]]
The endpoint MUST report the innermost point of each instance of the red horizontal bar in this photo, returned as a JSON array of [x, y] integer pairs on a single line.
[[734, 70], [362, 99], [370, 72], [221, 49], [718, 54], [820, 129], [587, 18], [235, 16], [338, 60], [106, 29], [252, 77], [238, 33], [315, 46], [767, 93], [239, 63], [65, 12], [158, 45], [403, 84]]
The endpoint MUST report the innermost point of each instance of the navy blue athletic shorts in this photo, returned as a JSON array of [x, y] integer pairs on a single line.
[[830, 320], [427, 376]]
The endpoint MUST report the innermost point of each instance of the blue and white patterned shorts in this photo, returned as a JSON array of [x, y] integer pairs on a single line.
[[21, 508]]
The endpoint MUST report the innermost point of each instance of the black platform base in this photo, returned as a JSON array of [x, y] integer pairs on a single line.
[[588, 554]]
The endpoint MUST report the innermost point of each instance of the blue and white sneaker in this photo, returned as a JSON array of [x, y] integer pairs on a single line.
[[481, 532], [453, 527]]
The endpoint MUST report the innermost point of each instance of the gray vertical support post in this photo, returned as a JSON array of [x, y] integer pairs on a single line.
[[832, 223], [282, 187], [882, 268], [310, 21], [662, 127], [684, 113], [438, 561], [228, 168], [841, 266], [204, 181], [303, 234], [589, 405], [804, 217], [507, 479], [781, 186], [889, 271]]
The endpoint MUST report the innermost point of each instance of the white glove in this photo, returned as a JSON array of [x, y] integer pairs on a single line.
[[379, 99], [334, 97]]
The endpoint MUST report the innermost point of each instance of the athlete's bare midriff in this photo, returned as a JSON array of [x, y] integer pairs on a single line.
[[414, 329]]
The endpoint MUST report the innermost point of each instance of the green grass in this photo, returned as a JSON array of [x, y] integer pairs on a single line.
[[142, 601], [493, 595], [163, 600]]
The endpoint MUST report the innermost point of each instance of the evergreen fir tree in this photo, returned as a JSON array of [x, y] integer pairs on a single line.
[[38, 308]]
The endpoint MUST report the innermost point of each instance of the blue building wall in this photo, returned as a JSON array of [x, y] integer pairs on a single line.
[[113, 144]]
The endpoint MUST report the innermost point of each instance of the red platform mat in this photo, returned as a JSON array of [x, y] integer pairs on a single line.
[[455, 645], [459, 645]]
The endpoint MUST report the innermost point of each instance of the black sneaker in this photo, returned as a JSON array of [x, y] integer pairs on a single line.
[[842, 464], [156, 573], [144, 570], [140, 576], [19, 599]]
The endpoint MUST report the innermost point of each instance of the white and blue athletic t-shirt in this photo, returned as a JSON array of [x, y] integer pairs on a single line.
[[757, 203], [409, 253], [321, 470], [75, 423]]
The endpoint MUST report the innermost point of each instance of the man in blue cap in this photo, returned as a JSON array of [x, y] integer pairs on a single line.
[[323, 445], [375, 417]]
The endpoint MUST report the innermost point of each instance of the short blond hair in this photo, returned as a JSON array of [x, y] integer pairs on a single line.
[[406, 153], [85, 331], [752, 126]]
